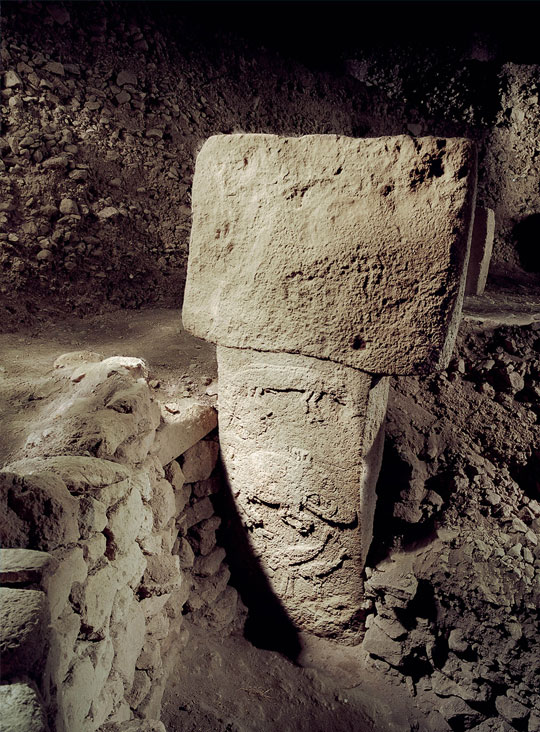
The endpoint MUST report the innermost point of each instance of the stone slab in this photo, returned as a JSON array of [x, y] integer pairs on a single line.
[[24, 631], [351, 250], [24, 566], [481, 248], [21, 709], [301, 443], [187, 423]]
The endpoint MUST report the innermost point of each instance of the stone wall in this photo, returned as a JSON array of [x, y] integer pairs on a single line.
[[108, 541], [510, 183]]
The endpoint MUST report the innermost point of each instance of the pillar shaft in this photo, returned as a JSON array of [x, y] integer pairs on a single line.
[[301, 442]]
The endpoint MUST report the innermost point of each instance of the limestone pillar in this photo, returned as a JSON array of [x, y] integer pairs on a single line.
[[320, 265], [481, 249]]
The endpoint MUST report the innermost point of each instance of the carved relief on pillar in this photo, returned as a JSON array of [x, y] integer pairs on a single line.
[[301, 442]]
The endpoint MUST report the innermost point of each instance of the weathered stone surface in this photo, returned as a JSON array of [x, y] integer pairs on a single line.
[[74, 359], [71, 569], [203, 536], [351, 250], [150, 656], [163, 503], [187, 423], [301, 441], [97, 373], [111, 698], [221, 614], [94, 550], [128, 637], [206, 591], [481, 247], [94, 600], [124, 522], [76, 693], [379, 644], [38, 511], [24, 632], [104, 480], [126, 77], [24, 566], [66, 630], [199, 511], [140, 688], [395, 581], [162, 576], [200, 460], [122, 713], [21, 709], [182, 491], [511, 709], [458, 712], [130, 566], [101, 656], [208, 487], [92, 516], [11, 79], [154, 605], [209, 565]]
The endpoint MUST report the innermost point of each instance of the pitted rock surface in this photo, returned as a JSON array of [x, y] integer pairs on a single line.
[[351, 250]]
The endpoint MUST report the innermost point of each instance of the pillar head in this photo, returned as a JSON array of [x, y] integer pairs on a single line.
[[343, 249]]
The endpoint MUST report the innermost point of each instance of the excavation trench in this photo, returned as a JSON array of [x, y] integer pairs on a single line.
[[121, 554]]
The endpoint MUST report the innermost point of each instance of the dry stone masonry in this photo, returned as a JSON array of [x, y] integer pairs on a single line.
[[108, 547], [324, 264]]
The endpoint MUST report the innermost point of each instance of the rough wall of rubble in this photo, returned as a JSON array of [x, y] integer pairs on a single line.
[[106, 107], [512, 164], [454, 602], [107, 544], [106, 110]]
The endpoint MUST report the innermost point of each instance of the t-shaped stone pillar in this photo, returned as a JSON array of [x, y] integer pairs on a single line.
[[320, 265]]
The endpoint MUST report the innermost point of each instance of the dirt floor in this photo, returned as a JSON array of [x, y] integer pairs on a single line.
[[226, 683], [180, 364]]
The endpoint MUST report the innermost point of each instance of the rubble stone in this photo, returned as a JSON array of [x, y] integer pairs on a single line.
[[27, 524], [24, 635], [182, 428], [511, 709], [199, 461], [21, 708], [24, 566]]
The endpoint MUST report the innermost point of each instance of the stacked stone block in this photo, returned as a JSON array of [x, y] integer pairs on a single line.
[[94, 578]]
